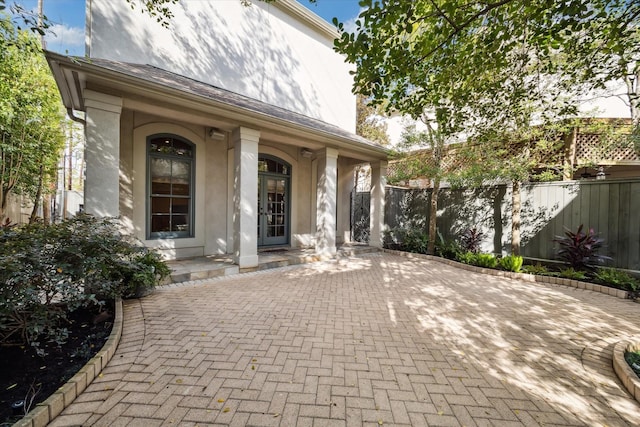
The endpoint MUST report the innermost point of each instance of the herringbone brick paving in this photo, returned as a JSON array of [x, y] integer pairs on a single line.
[[373, 340]]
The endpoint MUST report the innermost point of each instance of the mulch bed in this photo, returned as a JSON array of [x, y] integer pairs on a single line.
[[27, 377]]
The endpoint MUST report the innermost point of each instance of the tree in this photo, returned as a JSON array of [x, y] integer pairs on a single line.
[[369, 123], [494, 68], [30, 117], [430, 164], [399, 46], [34, 22]]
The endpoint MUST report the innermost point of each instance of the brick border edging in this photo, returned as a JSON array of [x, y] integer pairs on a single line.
[[624, 372], [619, 293], [48, 410]]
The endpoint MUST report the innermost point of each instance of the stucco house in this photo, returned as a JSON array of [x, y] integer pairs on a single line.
[[230, 130]]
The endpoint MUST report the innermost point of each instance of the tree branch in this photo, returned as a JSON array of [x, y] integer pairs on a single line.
[[489, 7], [444, 15]]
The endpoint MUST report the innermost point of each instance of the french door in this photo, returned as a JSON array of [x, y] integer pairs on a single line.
[[273, 209]]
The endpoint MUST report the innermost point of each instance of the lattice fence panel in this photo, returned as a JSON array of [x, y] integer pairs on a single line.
[[597, 148]]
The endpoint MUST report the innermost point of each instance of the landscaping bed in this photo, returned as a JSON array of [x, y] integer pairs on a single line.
[[578, 255], [57, 287], [31, 378], [633, 360]]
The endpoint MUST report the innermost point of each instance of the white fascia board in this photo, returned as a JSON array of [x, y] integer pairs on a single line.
[[302, 14]]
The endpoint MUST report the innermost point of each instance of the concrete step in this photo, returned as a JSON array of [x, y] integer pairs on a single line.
[[199, 268]]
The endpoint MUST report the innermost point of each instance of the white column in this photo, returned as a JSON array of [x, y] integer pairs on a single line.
[[378, 182], [245, 197], [326, 202], [102, 154], [345, 187]]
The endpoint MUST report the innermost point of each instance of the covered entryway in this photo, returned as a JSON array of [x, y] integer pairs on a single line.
[[274, 203]]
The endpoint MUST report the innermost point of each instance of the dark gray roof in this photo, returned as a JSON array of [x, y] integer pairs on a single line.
[[172, 80]]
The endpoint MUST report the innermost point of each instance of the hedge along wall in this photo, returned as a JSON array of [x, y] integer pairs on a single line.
[[610, 207]]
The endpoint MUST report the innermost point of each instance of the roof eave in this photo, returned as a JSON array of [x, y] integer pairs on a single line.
[[72, 99]]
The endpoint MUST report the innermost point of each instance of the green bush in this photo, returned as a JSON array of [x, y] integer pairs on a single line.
[[466, 258], [407, 239], [633, 360], [480, 260], [571, 273], [449, 250], [486, 260], [537, 269], [511, 263], [50, 271], [617, 279]]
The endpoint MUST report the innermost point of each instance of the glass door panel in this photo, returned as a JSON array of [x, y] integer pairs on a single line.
[[273, 210]]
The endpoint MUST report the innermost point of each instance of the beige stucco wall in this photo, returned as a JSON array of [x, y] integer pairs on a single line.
[[259, 51], [213, 190]]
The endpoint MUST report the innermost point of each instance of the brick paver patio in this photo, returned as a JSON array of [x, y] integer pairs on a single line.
[[373, 340]]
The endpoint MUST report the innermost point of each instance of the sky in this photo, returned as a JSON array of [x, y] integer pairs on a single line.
[[67, 18]]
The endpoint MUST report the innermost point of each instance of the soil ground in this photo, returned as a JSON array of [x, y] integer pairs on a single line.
[[25, 376]]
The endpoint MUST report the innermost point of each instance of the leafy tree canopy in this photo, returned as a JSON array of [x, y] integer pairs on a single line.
[[31, 134], [419, 54], [369, 122]]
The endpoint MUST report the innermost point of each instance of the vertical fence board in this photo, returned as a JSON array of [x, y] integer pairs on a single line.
[[634, 227], [585, 205], [614, 210], [623, 225], [604, 212], [558, 205], [611, 207], [594, 200]]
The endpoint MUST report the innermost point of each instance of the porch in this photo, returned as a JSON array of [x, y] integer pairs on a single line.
[[205, 267]]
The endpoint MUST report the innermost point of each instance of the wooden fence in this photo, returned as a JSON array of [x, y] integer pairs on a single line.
[[610, 207]]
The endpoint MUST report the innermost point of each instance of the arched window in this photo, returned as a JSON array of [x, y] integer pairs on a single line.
[[170, 187], [270, 164]]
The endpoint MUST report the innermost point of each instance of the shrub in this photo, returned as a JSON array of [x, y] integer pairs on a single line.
[[480, 260], [466, 258], [538, 269], [449, 250], [580, 250], [571, 273], [511, 263], [471, 239], [415, 240], [486, 260], [49, 271], [633, 360], [617, 279], [407, 239], [393, 238], [140, 272]]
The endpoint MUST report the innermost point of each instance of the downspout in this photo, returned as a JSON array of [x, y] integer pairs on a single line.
[[75, 118]]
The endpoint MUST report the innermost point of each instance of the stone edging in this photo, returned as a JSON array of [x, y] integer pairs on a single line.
[[622, 368], [619, 293], [46, 411]]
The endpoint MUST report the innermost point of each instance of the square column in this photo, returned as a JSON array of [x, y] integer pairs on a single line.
[[102, 154], [378, 183], [346, 184], [326, 202], [245, 197]]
